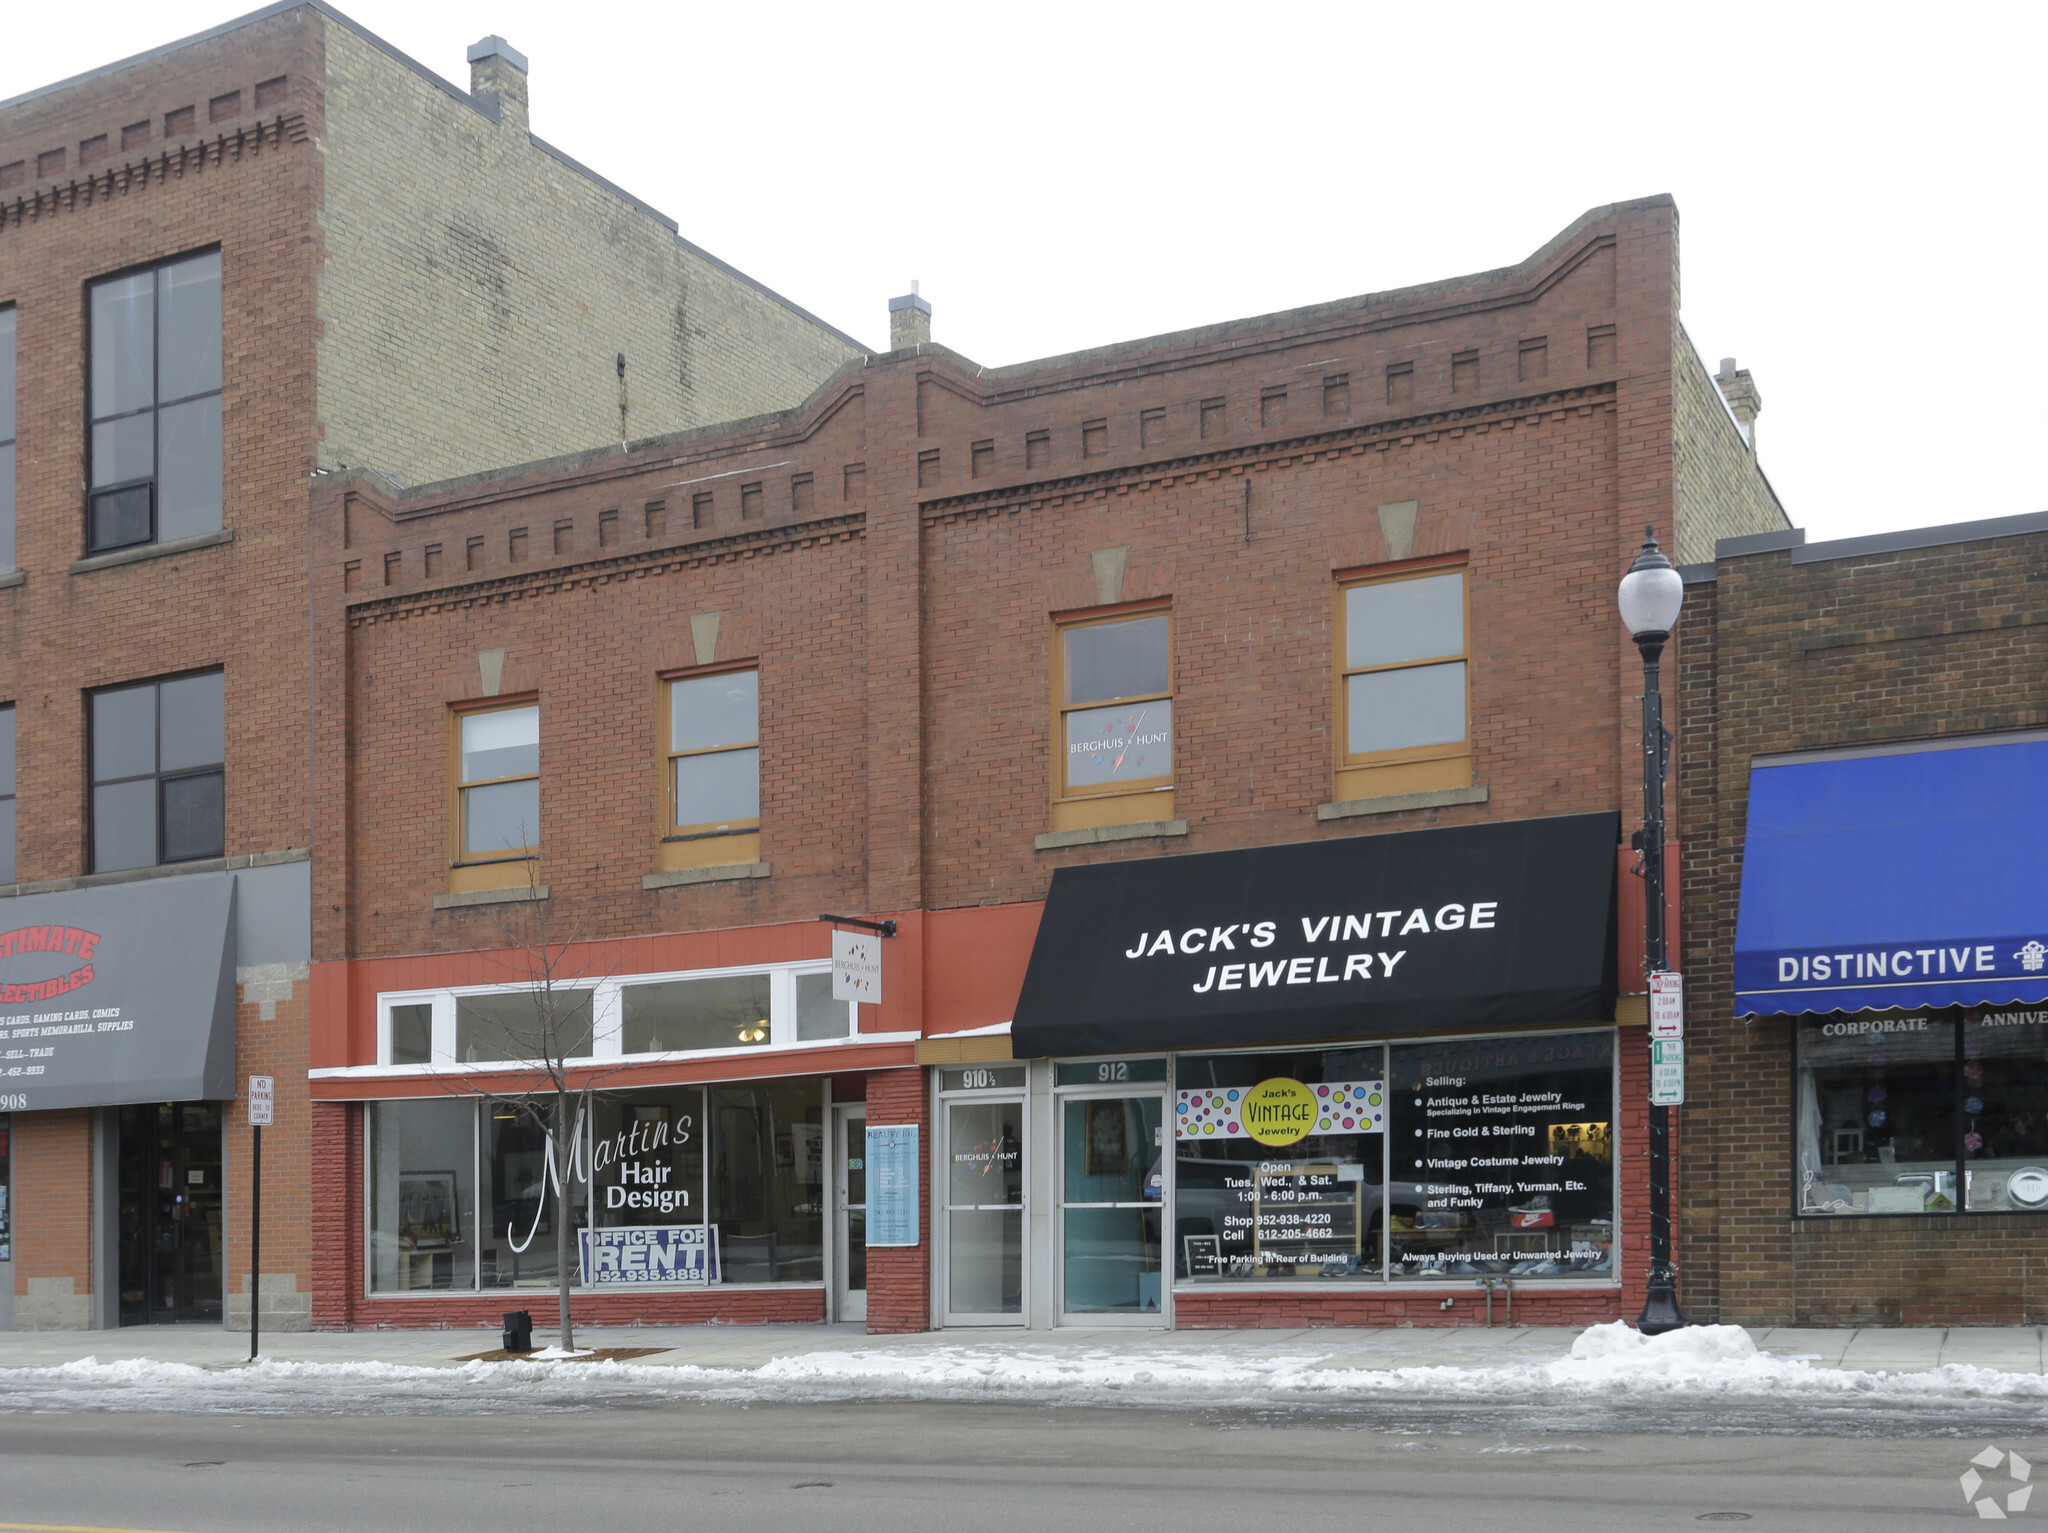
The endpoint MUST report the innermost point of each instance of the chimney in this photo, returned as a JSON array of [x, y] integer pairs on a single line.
[[497, 80], [910, 321], [1739, 389]]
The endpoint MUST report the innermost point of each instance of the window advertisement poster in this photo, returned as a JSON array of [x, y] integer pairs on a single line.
[[1277, 1165], [892, 1184], [1505, 1149], [631, 1255]]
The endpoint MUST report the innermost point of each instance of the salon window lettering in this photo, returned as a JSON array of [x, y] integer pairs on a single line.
[[636, 1167]]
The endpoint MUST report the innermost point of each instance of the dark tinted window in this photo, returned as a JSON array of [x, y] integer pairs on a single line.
[[156, 423], [158, 787]]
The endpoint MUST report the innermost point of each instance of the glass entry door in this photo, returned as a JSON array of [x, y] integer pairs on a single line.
[[170, 1213], [984, 1192], [1112, 1201], [850, 1253]]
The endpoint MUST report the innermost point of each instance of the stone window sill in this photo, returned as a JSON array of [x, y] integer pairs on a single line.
[[1398, 803], [717, 874], [511, 896], [1094, 835], [152, 551], [13, 578]]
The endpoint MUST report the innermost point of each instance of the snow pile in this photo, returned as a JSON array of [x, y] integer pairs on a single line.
[[1606, 1365], [555, 1354]]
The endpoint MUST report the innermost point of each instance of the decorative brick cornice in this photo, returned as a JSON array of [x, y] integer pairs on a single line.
[[1258, 457], [189, 159], [599, 572]]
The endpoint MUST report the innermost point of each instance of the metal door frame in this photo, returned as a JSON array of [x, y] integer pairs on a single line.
[[1112, 1091], [942, 1205], [844, 1301]]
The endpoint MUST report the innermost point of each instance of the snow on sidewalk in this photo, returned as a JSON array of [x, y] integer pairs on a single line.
[[1607, 1363]]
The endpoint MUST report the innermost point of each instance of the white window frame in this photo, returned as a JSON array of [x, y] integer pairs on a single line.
[[607, 1018]]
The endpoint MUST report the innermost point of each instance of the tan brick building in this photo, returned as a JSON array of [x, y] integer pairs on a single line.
[[258, 255], [1313, 600]]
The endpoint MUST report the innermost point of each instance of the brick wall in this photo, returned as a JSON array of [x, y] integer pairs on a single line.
[[52, 1175], [1777, 656], [1721, 491], [900, 1277], [502, 283]]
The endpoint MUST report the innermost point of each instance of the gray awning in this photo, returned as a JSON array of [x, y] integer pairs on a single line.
[[118, 994]]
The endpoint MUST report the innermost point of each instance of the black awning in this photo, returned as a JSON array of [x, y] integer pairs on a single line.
[[1465, 927]]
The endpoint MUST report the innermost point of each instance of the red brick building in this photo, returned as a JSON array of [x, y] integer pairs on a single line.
[[1093, 676], [229, 266]]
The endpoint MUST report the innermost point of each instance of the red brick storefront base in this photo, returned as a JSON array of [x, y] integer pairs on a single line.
[[900, 1277]]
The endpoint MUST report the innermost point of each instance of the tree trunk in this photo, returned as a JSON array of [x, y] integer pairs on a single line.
[[565, 1204]]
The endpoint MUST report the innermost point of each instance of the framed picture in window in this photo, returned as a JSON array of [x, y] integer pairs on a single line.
[[1107, 1149], [427, 1215]]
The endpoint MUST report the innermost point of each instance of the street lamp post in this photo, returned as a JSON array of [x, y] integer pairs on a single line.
[[1651, 594]]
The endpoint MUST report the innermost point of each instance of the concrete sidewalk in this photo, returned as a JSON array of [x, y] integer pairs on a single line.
[[2011, 1349]]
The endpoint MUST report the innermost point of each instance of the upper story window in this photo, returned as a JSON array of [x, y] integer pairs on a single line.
[[714, 751], [1115, 699], [7, 329], [7, 794], [498, 788], [158, 785], [1402, 677], [156, 443]]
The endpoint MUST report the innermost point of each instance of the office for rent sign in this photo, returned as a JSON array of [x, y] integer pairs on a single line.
[[634, 1255]]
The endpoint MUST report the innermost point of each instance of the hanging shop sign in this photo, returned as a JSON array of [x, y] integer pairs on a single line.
[[1281, 1112], [119, 994], [1468, 926], [857, 968], [631, 1255], [892, 1184]]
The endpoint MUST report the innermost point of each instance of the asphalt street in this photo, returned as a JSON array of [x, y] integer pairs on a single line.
[[955, 1468]]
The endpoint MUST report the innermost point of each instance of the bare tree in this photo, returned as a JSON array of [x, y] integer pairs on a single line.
[[537, 1029]]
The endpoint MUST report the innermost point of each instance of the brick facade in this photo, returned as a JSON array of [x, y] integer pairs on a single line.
[[312, 156], [1788, 649], [893, 554]]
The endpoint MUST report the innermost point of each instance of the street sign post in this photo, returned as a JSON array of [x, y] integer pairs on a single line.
[[1667, 1005], [1667, 1072], [262, 1110]]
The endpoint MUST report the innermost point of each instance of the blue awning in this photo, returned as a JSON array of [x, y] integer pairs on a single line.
[[1897, 876]]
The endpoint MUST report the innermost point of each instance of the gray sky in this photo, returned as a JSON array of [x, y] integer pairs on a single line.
[[1852, 179]]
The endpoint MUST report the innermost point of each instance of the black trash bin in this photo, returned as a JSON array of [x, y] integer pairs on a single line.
[[518, 1330]]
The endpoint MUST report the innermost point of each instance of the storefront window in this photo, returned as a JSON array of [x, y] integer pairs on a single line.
[[2005, 1111], [1278, 1165], [6, 1187], [422, 1196], [460, 1197], [1877, 1115], [1923, 1114], [647, 1158], [516, 1248], [1504, 1157], [767, 1182]]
